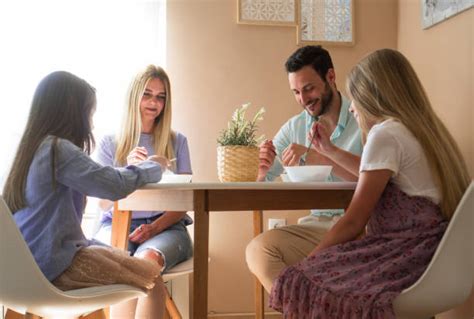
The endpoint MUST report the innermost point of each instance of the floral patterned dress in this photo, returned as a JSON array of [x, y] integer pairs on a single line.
[[361, 278]]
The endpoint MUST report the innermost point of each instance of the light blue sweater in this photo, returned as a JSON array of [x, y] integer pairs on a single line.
[[51, 221], [296, 130]]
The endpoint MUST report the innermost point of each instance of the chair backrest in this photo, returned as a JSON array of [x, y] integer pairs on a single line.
[[448, 278], [21, 280]]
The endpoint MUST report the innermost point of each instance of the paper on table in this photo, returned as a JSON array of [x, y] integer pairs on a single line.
[[175, 178]]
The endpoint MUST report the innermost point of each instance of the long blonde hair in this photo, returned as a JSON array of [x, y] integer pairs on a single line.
[[384, 86], [129, 135], [62, 107]]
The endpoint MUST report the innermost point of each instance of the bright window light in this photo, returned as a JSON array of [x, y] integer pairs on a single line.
[[103, 41]]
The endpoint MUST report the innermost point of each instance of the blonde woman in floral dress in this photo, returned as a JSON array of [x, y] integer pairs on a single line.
[[411, 177]]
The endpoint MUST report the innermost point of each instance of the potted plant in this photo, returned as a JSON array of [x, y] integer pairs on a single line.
[[237, 151]]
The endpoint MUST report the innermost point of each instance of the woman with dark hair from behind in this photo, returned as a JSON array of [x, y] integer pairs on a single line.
[[50, 178]]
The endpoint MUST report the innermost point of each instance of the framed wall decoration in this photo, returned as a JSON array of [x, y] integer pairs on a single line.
[[325, 22], [267, 12], [435, 11]]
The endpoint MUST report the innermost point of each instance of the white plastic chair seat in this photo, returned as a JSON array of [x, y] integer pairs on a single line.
[[74, 303], [448, 279], [183, 268], [24, 288]]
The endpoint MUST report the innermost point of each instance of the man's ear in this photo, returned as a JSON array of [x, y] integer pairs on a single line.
[[331, 76]]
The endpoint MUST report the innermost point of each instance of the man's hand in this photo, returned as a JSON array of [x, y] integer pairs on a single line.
[[315, 158], [292, 154], [266, 158]]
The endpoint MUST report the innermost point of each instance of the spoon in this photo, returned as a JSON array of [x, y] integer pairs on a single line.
[[302, 161]]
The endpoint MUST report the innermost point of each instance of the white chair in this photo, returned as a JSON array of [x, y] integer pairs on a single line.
[[184, 268], [181, 269], [25, 290], [448, 279]]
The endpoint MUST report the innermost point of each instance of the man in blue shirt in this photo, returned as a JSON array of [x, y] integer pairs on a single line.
[[312, 80]]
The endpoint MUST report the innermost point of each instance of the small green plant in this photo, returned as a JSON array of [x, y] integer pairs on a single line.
[[241, 131]]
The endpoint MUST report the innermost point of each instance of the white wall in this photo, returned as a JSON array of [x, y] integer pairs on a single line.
[[103, 41]]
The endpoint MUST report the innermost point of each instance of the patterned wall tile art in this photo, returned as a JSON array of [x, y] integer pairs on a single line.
[[435, 11], [326, 21], [316, 21], [267, 12]]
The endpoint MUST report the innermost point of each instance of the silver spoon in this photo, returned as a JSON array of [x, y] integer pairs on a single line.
[[302, 161]]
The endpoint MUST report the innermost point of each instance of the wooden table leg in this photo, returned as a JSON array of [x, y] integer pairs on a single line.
[[259, 302], [13, 315], [201, 255], [121, 220]]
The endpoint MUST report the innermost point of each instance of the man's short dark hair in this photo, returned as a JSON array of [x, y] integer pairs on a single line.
[[313, 55]]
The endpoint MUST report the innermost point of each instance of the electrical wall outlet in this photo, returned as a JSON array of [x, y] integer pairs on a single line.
[[276, 222]]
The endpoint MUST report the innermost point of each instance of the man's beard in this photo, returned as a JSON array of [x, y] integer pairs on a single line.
[[326, 100]]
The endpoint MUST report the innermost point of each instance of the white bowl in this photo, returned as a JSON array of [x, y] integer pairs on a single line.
[[284, 177], [308, 173]]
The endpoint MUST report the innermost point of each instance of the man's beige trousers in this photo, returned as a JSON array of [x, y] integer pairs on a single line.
[[270, 252]]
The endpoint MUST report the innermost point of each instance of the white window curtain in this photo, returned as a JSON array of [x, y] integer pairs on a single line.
[[103, 41]]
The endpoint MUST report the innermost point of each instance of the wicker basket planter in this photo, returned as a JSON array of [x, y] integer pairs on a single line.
[[237, 163]]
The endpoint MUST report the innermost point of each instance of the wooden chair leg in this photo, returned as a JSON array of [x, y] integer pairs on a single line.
[[171, 307], [99, 314], [15, 315]]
